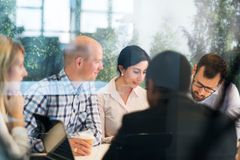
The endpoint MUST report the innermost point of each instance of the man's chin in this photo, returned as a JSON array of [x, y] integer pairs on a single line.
[[90, 79], [198, 99]]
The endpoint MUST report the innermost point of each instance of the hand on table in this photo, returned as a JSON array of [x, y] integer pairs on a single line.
[[80, 147]]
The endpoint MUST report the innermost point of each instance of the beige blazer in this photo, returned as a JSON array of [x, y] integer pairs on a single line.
[[112, 107]]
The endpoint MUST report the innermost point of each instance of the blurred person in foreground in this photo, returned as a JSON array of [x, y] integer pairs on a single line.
[[12, 130], [123, 94], [69, 96], [208, 78], [180, 129]]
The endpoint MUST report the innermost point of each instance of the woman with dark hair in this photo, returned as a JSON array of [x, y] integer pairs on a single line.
[[123, 94]]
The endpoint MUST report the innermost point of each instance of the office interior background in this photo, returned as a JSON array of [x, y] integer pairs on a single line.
[[192, 27]]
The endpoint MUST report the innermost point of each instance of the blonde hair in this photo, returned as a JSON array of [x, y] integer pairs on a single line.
[[8, 51]]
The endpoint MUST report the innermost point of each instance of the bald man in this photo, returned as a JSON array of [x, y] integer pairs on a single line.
[[68, 96]]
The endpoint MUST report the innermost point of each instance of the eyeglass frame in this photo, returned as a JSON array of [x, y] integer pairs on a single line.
[[200, 85]]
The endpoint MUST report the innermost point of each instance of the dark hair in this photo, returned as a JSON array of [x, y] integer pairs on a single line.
[[213, 64], [130, 56], [170, 70]]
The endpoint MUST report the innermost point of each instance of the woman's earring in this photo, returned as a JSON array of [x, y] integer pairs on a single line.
[[121, 74]]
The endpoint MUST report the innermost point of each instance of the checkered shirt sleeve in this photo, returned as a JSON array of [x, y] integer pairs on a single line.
[[77, 109]]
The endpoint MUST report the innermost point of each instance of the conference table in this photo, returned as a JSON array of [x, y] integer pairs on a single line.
[[96, 154]]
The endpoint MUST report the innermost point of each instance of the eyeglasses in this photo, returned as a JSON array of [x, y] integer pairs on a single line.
[[199, 85]]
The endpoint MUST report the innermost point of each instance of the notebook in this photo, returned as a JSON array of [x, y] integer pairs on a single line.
[[55, 141]]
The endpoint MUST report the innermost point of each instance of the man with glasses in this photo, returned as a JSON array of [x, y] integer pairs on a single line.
[[208, 77]]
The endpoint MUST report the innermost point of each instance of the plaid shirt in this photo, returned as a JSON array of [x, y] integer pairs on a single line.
[[57, 98]]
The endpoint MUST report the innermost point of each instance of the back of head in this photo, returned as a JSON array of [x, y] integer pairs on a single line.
[[131, 55], [170, 70], [213, 64]]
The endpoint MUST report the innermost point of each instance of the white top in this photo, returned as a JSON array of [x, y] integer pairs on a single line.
[[112, 107], [231, 103], [17, 142]]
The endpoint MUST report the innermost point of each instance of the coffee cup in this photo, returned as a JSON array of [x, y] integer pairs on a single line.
[[84, 135], [79, 137], [89, 138]]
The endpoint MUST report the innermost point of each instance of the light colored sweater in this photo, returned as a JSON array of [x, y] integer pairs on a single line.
[[17, 141]]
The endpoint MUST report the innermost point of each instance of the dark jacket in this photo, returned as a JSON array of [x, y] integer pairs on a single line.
[[175, 129]]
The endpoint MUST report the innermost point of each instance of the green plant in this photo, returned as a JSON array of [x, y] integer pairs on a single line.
[[7, 26], [164, 40], [43, 56]]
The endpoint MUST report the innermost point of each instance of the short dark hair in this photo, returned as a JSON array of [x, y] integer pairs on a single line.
[[131, 55], [170, 70], [213, 64]]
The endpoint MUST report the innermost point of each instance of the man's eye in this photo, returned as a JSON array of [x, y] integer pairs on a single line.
[[208, 90], [198, 84]]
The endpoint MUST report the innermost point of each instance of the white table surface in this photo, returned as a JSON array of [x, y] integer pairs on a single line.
[[97, 153]]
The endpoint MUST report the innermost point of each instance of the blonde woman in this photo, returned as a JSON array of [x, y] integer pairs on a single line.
[[12, 129]]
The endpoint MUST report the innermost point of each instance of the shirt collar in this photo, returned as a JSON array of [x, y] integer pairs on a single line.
[[112, 89], [69, 84]]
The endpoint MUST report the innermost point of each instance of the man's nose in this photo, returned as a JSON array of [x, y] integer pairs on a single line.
[[25, 73], [201, 91], [101, 66]]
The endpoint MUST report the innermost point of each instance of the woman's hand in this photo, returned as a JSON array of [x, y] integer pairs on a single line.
[[14, 107]]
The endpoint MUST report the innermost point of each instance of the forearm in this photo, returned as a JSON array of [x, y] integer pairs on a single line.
[[15, 122], [20, 136], [93, 121], [16, 140], [101, 106], [96, 131], [18, 123]]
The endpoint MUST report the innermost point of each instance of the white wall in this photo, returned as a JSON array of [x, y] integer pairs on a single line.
[[150, 15]]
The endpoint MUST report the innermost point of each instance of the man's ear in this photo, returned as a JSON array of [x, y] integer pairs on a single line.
[[194, 69], [79, 61]]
